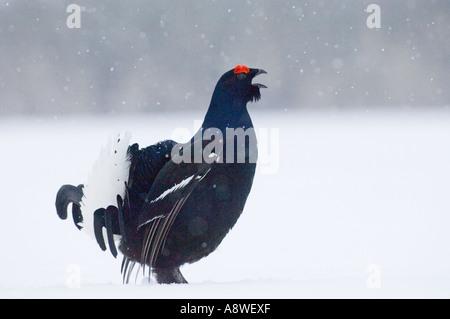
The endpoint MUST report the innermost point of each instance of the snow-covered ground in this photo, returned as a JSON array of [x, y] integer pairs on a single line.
[[344, 205]]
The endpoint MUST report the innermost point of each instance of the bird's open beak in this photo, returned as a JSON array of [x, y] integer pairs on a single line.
[[260, 71]]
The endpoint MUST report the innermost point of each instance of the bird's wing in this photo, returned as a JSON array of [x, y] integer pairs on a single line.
[[172, 187], [147, 162]]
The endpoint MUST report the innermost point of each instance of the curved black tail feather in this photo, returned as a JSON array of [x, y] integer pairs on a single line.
[[109, 219], [69, 194]]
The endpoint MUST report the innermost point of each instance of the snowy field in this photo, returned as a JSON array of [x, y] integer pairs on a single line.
[[344, 205]]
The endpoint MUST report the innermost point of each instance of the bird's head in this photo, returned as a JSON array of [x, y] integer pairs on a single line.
[[236, 85]]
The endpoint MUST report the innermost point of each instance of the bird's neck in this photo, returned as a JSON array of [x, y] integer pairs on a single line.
[[233, 115], [236, 127]]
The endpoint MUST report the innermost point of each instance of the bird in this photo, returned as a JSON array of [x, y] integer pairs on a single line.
[[172, 203]]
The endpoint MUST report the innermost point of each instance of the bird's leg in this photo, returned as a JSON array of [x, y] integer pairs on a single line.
[[169, 276]]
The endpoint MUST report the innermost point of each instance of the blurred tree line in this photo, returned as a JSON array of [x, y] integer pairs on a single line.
[[167, 55]]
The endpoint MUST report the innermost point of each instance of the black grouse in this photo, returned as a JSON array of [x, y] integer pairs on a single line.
[[170, 204]]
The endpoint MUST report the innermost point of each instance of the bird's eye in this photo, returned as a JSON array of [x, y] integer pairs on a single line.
[[241, 76]]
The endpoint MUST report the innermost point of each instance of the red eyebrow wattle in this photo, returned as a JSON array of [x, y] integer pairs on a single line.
[[241, 69]]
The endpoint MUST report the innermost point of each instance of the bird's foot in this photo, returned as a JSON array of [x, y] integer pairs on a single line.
[[169, 276]]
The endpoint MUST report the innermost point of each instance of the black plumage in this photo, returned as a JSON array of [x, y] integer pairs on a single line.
[[181, 200]]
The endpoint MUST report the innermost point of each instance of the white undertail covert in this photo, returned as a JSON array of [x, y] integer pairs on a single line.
[[106, 180]]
